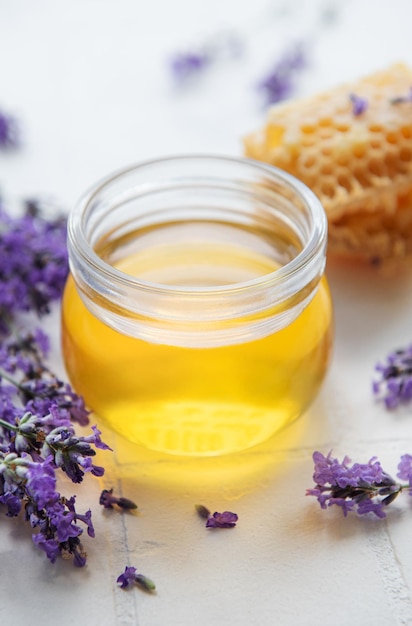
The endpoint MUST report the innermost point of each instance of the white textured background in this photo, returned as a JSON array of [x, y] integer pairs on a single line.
[[89, 80]]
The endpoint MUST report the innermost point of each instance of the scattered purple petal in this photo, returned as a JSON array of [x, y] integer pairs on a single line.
[[127, 579], [108, 500], [359, 105], [222, 520], [130, 577]]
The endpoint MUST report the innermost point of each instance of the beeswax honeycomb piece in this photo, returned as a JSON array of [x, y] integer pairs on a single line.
[[358, 164]]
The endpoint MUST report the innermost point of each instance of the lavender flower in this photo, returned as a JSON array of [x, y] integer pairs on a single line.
[[131, 577], [217, 520], [108, 500], [222, 520], [9, 131], [33, 264], [394, 386], [359, 105], [364, 488], [73, 453], [280, 82]]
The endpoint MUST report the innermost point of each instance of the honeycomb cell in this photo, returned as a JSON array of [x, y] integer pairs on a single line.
[[405, 154], [328, 189], [344, 180]]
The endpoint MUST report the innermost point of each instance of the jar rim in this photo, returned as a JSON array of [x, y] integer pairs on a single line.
[[313, 247]]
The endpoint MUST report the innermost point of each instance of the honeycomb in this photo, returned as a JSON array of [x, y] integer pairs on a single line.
[[359, 164]]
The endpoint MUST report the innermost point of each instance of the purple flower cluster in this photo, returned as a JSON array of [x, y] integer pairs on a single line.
[[280, 82], [37, 410], [130, 577], [37, 439], [217, 520], [359, 104], [34, 265], [360, 487], [9, 131], [394, 385]]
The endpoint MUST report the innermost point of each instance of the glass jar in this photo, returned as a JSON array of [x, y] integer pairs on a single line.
[[197, 319]]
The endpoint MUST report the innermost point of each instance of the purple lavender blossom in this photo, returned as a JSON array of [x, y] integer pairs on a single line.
[[394, 386], [12, 502], [50, 546], [364, 488], [222, 520], [108, 500], [41, 483], [280, 82], [9, 131], [130, 577], [72, 453], [359, 105], [37, 410], [217, 520]]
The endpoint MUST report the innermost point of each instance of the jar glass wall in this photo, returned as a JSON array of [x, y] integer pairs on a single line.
[[197, 319]]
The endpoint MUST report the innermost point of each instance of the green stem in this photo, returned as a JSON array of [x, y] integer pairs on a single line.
[[8, 425], [11, 380]]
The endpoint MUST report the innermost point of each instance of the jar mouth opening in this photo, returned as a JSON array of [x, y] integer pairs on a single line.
[[258, 177]]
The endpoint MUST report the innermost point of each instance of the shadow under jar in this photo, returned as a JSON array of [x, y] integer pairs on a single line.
[[197, 319]]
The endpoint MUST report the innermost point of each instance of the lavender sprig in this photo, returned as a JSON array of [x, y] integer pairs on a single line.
[[363, 488], [37, 410], [394, 385], [37, 439]]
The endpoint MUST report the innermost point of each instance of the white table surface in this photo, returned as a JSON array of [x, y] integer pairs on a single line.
[[89, 81]]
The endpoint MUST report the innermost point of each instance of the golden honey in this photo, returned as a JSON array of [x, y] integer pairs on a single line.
[[217, 354]]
